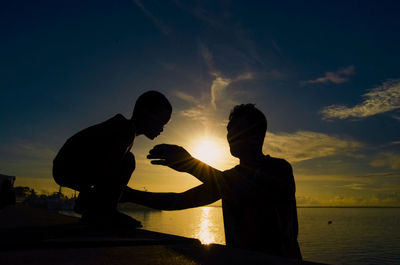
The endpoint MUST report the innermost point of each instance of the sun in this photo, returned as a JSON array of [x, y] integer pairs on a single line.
[[209, 151]]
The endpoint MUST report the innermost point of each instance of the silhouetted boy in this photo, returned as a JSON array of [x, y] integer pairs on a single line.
[[98, 163], [258, 195]]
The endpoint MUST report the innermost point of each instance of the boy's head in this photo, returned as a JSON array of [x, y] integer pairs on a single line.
[[152, 111], [246, 130]]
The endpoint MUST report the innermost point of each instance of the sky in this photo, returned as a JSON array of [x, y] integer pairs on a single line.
[[325, 73]]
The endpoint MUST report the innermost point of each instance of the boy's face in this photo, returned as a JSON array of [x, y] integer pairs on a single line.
[[152, 124]]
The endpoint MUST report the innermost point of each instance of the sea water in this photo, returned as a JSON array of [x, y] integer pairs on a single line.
[[330, 235]]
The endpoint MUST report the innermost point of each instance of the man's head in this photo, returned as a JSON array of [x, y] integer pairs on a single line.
[[152, 111], [246, 130]]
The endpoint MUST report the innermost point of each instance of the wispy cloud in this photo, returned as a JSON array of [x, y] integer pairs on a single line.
[[157, 22], [186, 97], [205, 108], [216, 99], [276, 47], [387, 159], [197, 113], [207, 56], [306, 201], [27, 159], [377, 199], [375, 189], [396, 116], [378, 100], [355, 186], [217, 89], [305, 145], [340, 76], [378, 175], [200, 11]]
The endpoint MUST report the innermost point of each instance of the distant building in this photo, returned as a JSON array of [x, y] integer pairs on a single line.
[[7, 194]]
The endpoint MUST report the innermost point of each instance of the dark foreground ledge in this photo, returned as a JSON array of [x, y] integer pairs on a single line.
[[34, 236]]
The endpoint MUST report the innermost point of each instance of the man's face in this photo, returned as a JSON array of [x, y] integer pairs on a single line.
[[152, 124], [242, 138], [237, 136]]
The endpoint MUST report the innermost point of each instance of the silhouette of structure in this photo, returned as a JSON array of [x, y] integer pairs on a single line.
[[7, 193], [258, 195], [98, 163]]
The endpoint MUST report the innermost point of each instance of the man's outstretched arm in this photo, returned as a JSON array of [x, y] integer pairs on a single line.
[[198, 196], [177, 158]]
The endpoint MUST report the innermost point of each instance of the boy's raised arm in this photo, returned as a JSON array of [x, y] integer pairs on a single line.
[[198, 196], [177, 158]]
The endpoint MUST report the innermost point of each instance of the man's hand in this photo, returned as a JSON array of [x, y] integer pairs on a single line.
[[173, 156]]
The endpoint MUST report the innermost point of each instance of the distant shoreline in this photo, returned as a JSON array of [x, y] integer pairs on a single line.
[[332, 206], [348, 206]]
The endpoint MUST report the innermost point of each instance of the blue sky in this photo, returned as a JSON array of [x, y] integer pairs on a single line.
[[326, 74]]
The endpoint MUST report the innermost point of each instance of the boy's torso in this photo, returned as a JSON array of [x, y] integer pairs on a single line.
[[98, 145]]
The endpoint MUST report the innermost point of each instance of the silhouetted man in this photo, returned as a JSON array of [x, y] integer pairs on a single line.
[[258, 195], [98, 163]]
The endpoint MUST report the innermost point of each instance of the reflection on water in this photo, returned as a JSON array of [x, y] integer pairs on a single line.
[[203, 223], [354, 236], [205, 233]]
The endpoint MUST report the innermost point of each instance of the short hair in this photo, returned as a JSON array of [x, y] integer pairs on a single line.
[[253, 115], [152, 100]]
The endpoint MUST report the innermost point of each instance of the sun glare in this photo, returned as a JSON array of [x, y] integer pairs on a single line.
[[209, 151]]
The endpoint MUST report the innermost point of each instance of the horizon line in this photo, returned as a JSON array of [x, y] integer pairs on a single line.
[[327, 206]]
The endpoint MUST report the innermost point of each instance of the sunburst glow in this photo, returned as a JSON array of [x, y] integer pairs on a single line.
[[210, 151]]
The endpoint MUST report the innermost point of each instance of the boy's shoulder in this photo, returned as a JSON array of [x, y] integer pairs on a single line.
[[120, 125], [116, 118], [116, 122]]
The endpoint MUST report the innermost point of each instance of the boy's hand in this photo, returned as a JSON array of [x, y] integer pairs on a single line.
[[173, 156]]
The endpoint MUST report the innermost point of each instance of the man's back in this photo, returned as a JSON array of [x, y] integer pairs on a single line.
[[259, 208]]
